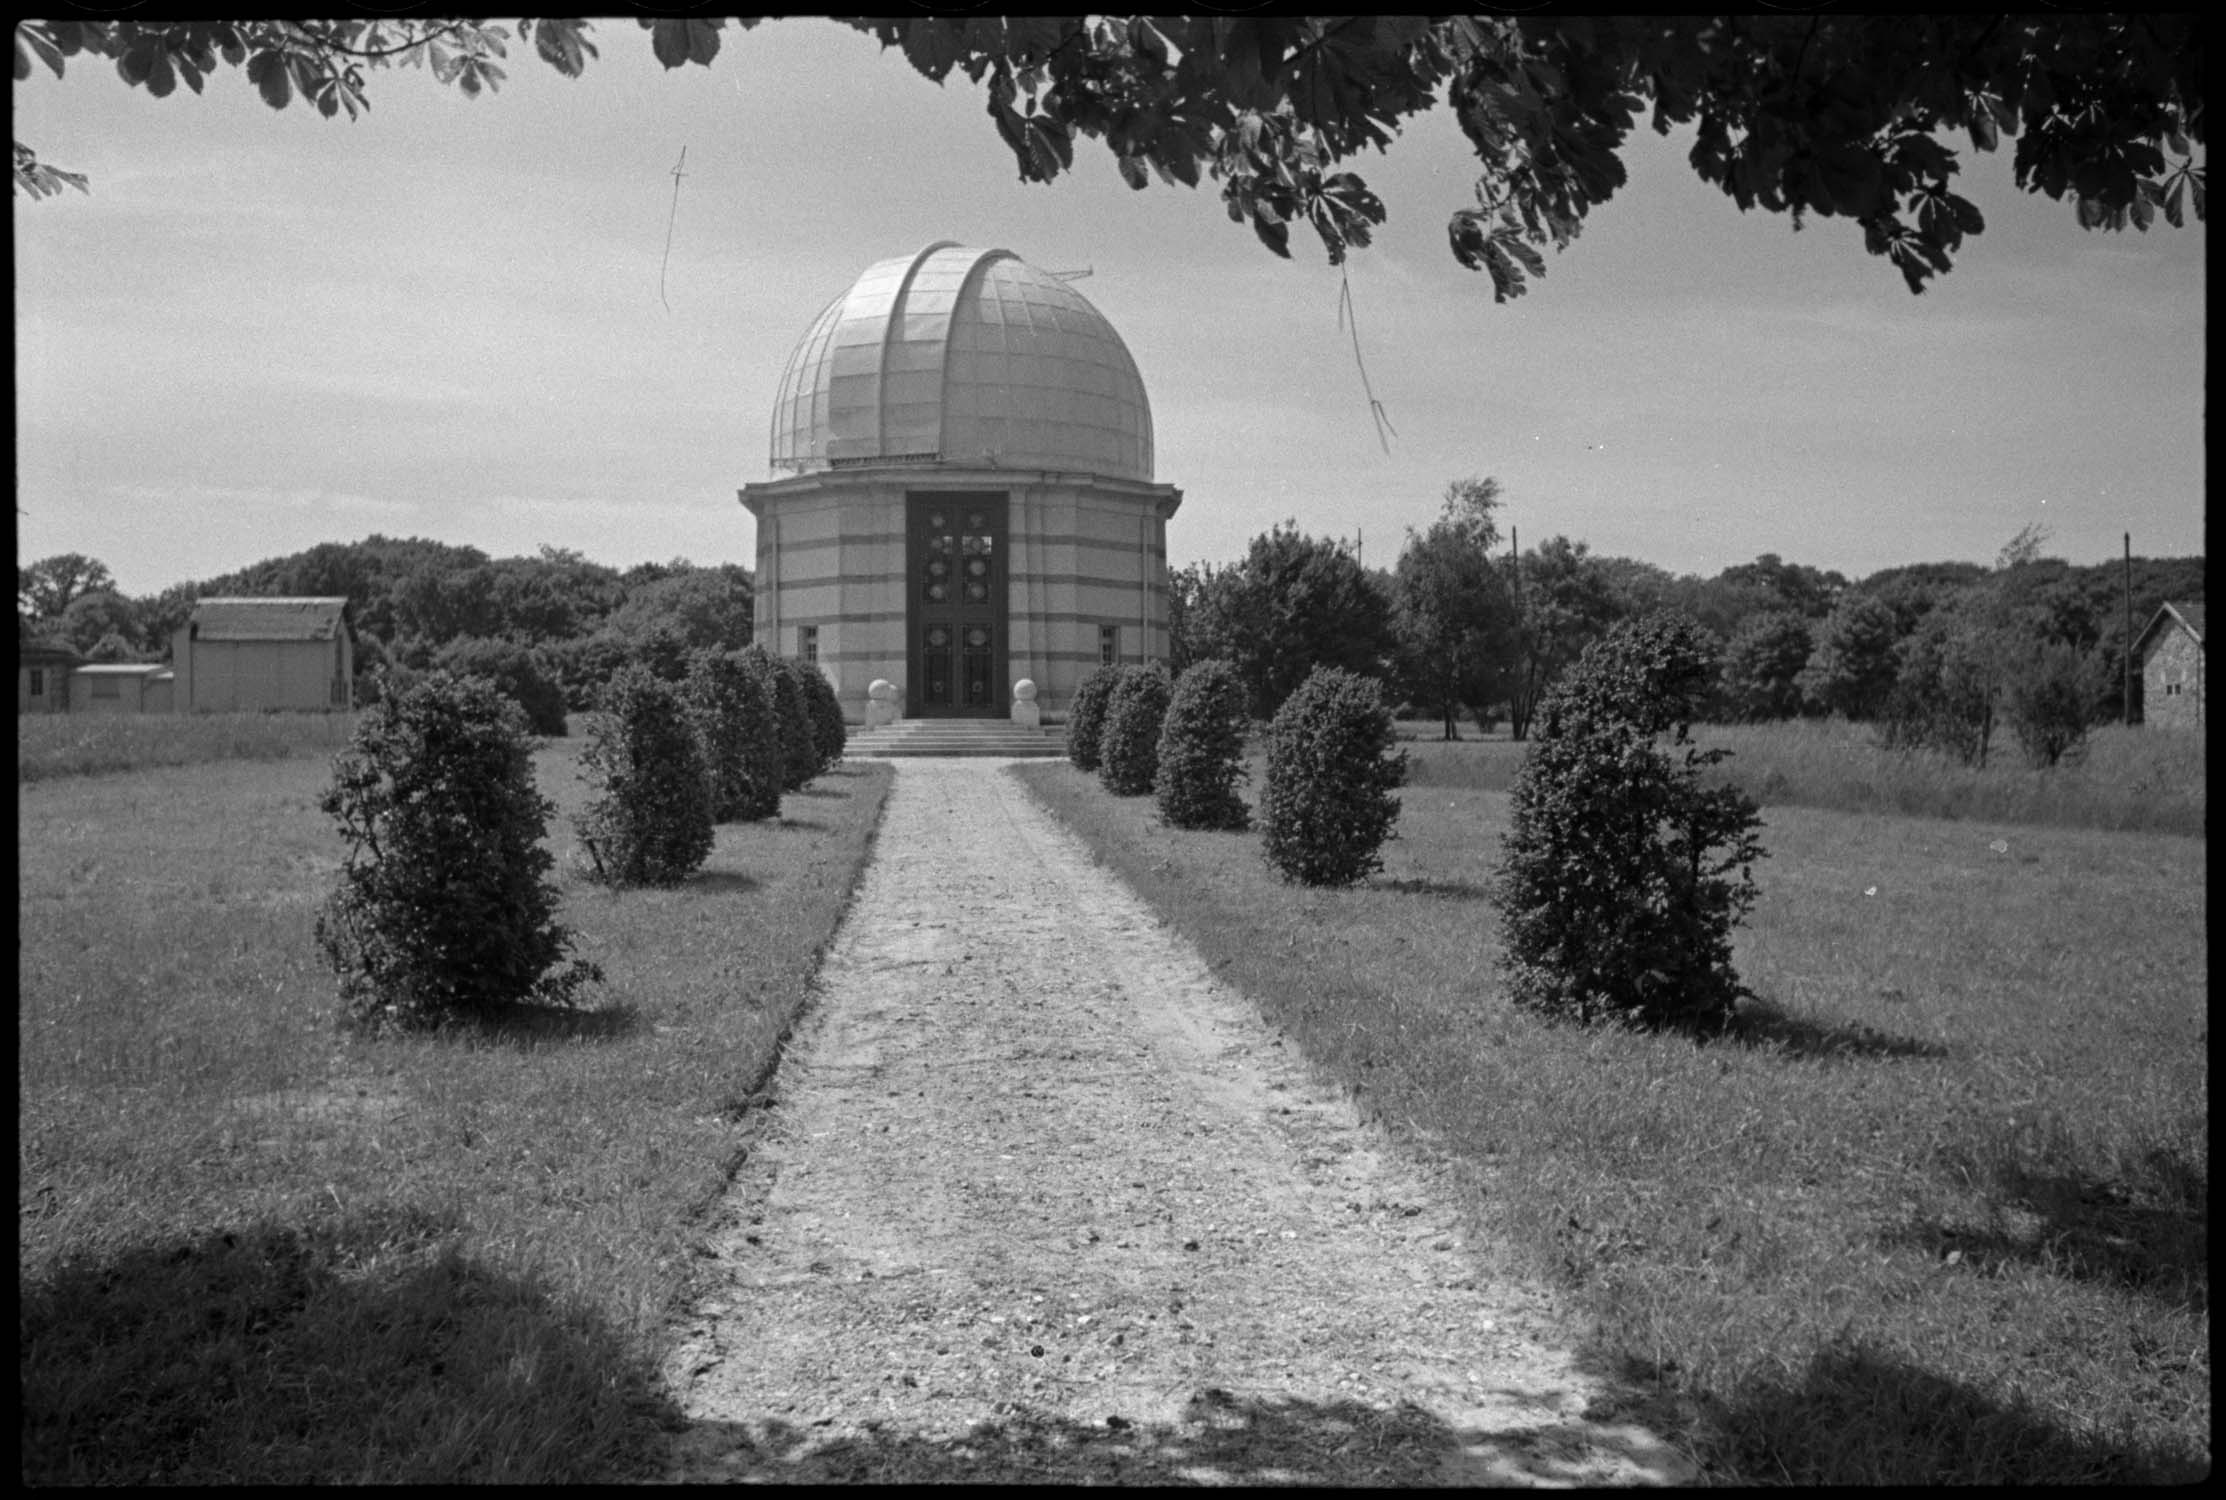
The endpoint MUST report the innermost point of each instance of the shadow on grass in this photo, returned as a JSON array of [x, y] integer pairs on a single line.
[[1450, 890], [1765, 1023], [530, 1025], [362, 1347], [1870, 1417], [811, 823], [819, 793], [2088, 1229], [719, 883], [1220, 1438]]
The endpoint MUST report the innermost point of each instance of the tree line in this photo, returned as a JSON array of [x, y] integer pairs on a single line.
[[1942, 655], [550, 628]]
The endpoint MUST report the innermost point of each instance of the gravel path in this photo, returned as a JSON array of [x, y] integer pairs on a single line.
[[1042, 1201]]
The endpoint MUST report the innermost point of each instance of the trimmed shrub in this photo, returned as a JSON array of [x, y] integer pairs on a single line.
[[1086, 715], [829, 733], [734, 727], [1128, 746], [443, 909], [1613, 890], [520, 671], [784, 689], [650, 822], [1201, 750], [1327, 808]]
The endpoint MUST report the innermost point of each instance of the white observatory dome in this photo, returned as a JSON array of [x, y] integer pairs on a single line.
[[968, 358]]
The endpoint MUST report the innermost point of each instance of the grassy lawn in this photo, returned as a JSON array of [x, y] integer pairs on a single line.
[[255, 1250], [95, 744], [2129, 780], [1940, 1216]]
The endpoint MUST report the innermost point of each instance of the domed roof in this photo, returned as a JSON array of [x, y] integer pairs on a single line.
[[966, 357]]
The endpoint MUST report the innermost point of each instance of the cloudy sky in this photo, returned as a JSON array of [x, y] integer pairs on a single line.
[[266, 330]]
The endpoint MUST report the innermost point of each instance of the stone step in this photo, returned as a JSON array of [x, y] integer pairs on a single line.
[[955, 737]]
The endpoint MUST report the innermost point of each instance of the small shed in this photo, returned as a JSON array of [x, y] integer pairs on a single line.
[[42, 677], [250, 655], [113, 687], [2170, 650]]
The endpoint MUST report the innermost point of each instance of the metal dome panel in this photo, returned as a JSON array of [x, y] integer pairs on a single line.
[[966, 357]]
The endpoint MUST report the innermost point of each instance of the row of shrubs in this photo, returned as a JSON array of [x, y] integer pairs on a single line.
[[1623, 871], [445, 909], [1327, 806]]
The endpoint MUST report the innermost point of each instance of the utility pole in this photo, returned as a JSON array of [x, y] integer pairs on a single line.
[[2125, 692]]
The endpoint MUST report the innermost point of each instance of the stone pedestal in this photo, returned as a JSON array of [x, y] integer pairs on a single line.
[[881, 703], [1026, 713]]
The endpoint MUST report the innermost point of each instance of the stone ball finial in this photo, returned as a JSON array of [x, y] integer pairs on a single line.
[[1024, 691], [882, 690]]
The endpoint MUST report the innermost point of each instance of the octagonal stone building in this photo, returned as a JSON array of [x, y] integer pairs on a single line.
[[963, 495]]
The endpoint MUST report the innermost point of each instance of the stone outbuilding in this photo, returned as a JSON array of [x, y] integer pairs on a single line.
[[42, 677], [249, 655], [2170, 650], [964, 497]]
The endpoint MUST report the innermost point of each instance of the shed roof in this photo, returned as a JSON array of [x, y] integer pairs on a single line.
[[122, 669], [2189, 617], [45, 654], [314, 619]]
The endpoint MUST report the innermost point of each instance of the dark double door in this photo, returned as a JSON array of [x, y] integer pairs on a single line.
[[955, 592]]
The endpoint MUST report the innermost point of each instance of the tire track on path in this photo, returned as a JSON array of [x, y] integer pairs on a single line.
[[1043, 1201]]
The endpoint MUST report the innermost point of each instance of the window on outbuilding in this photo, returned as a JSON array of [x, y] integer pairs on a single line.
[[38, 682]]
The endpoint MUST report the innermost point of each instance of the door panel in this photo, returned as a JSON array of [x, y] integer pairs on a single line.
[[956, 597]]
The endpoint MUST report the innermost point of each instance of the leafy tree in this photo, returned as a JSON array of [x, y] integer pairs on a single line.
[[1451, 608], [1327, 806], [44, 590], [1128, 747], [1947, 688], [1846, 116], [650, 822], [1852, 669], [2050, 701], [703, 607], [1805, 591], [1613, 890], [1762, 663], [98, 616], [112, 648], [1190, 636], [1562, 604], [1201, 750], [519, 671], [444, 907], [1293, 604]]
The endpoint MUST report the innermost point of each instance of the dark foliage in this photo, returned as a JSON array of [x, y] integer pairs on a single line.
[[650, 822], [444, 908], [1328, 808], [1086, 715], [734, 725], [1612, 892], [1201, 750], [1129, 746], [523, 673], [829, 733]]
